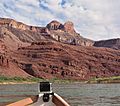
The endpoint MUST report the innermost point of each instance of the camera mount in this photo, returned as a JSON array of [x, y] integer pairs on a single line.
[[45, 88]]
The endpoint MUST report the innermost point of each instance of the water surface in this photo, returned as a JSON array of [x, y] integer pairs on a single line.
[[75, 94]]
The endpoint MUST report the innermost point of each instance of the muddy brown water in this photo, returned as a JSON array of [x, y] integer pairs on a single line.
[[75, 94]]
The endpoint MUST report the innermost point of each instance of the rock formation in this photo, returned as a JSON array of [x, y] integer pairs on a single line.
[[12, 23], [54, 25], [53, 31], [48, 59], [56, 50], [66, 33], [112, 43], [69, 27]]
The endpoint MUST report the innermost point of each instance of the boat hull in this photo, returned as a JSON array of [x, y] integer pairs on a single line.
[[55, 100]]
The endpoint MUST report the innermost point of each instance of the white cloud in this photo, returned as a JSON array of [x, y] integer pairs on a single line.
[[94, 19]]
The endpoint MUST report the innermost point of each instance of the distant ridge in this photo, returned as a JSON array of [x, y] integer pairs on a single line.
[[111, 43]]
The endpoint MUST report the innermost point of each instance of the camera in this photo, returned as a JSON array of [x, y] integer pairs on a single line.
[[45, 87]]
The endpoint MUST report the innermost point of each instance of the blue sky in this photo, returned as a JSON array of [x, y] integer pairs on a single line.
[[94, 19]]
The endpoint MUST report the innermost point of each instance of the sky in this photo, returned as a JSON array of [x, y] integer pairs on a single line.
[[93, 19]]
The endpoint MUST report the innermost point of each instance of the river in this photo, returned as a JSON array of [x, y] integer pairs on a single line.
[[75, 94]]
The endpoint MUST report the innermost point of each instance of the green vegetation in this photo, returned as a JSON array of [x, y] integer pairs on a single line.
[[14, 80], [114, 79], [9, 80], [4, 79], [57, 80]]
